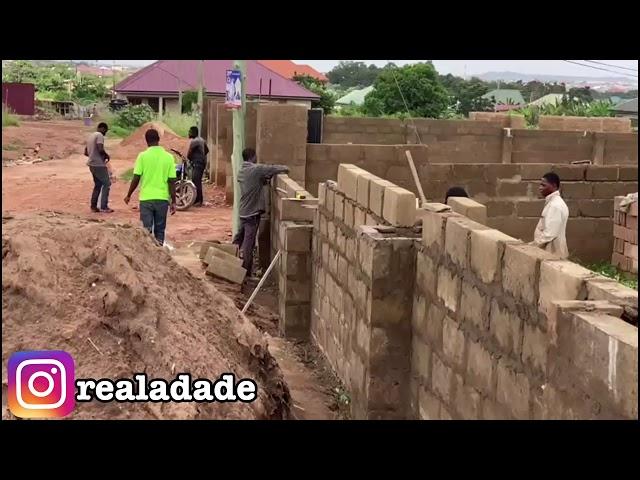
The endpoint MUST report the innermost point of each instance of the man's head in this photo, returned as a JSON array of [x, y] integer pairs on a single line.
[[193, 132], [103, 128], [249, 155], [549, 183], [152, 137], [455, 192]]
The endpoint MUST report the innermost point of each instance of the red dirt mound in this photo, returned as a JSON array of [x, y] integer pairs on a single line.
[[135, 143], [120, 305]]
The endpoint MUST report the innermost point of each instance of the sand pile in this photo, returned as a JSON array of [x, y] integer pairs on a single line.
[[120, 305], [135, 143]]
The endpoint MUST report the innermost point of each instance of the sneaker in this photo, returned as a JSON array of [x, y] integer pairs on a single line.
[[95, 209], [106, 210]]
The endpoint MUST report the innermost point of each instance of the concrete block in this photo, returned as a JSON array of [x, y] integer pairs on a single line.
[[428, 405], [492, 410], [611, 291], [433, 326], [499, 208], [220, 267], [370, 220], [399, 207], [363, 188], [627, 234], [628, 172], [602, 173], [349, 213], [457, 234], [467, 400], [562, 280], [433, 229], [338, 206], [534, 171], [377, 187], [513, 390], [469, 208], [330, 195], [292, 209], [521, 271], [297, 237], [441, 379], [359, 217], [419, 318], [453, 343], [426, 272], [322, 193], [631, 250], [420, 360], [473, 306], [487, 250], [480, 367], [506, 328], [534, 348], [448, 288], [595, 208], [348, 179], [216, 252], [204, 248]]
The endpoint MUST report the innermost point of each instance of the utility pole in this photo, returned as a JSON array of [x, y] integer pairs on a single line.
[[200, 94], [238, 143]]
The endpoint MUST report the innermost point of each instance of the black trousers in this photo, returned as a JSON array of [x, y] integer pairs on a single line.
[[198, 172], [246, 240], [101, 184], [153, 214]]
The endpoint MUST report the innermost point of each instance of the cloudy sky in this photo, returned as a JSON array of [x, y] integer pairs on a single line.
[[471, 67]]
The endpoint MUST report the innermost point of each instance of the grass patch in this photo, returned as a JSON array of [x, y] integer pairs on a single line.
[[9, 120], [10, 147], [127, 176], [180, 124], [610, 271]]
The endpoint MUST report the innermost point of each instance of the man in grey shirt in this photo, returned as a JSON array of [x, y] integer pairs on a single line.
[[252, 178], [97, 162], [197, 155]]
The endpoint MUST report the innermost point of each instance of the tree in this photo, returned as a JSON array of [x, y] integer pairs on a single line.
[[327, 99], [349, 74], [425, 96]]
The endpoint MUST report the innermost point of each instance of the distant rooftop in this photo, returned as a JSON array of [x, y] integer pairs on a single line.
[[505, 96]]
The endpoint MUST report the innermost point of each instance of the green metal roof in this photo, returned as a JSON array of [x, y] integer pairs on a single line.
[[355, 97], [505, 96], [549, 99]]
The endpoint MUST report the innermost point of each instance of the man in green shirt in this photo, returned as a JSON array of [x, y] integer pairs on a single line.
[[155, 171]]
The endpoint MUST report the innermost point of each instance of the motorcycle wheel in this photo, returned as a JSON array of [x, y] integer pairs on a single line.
[[185, 194]]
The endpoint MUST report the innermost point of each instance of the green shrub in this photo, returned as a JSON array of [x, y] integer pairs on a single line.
[[8, 120], [180, 124], [133, 116]]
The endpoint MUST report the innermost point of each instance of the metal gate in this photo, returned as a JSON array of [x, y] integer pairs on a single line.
[[314, 125]]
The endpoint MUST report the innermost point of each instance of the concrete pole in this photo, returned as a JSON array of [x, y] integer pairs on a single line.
[[238, 144]]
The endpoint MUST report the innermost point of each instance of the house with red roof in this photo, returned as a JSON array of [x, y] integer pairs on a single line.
[[289, 69], [161, 83]]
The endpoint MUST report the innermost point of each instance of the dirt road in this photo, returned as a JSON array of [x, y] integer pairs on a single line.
[[65, 185]]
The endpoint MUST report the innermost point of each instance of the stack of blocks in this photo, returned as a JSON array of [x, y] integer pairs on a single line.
[[625, 237]]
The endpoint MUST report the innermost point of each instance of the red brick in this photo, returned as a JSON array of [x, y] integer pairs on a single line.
[[631, 251], [627, 234]]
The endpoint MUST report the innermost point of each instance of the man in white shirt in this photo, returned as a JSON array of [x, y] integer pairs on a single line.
[[550, 233]]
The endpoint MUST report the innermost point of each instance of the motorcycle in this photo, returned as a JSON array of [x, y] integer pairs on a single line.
[[185, 189]]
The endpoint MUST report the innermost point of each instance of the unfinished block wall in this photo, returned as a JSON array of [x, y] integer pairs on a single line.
[[504, 330], [362, 281], [509, 191], [592, 124], [625, 236], [290, 224]]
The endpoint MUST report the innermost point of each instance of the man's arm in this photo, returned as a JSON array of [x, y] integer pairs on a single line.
[[101, 150], [132, 188], [552, 227], [268, 171], [206, 150], [172, 191], [190, 150]]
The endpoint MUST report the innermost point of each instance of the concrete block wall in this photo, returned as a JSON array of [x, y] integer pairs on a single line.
[[509, 191], [281, 137], [591, 124], [363, 276], [502, 330], [625, 236], [291, 226], [503, 120]]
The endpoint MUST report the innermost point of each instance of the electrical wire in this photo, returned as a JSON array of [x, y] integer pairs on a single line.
[[610, 65], [603, 69]]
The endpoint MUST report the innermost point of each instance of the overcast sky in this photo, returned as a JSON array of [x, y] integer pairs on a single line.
[[457, 67]]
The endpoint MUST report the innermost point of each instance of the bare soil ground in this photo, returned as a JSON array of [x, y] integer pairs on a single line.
[[61, 184]]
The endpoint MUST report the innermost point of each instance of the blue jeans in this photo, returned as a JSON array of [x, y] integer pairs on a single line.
[[153, 214], [101, 185]]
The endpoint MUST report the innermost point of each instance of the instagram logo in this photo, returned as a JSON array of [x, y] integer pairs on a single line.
[[41, 384]]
